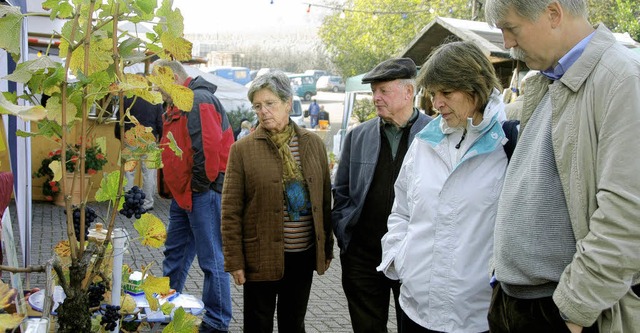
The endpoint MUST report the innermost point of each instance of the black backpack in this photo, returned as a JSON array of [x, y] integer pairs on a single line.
[[510, 128]]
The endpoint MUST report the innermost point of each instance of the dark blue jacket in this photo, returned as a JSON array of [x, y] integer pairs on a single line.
[[149, 115]]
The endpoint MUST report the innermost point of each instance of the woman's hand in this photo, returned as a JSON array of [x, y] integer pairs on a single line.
[[327, 263], [574, 328], [238, 277]]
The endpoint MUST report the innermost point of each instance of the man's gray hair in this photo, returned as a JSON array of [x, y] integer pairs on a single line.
[[409, 82], [277, 82], [175, 66], [496, 10]]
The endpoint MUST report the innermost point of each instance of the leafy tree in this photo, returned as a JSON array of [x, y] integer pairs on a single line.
[[627, 18], [360, 40]]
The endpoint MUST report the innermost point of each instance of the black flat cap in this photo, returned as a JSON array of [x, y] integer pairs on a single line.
[[392, 69]]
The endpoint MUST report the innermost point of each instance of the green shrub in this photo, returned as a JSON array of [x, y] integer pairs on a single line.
[[364, 109]]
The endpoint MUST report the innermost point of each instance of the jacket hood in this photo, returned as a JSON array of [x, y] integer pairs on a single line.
[[495, 107], [200, 83]]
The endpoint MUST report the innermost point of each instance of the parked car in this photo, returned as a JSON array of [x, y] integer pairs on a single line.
[[330, 83], [296, 112], [303, 85]]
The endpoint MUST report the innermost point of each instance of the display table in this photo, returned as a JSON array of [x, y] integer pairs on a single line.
[[190, 303]]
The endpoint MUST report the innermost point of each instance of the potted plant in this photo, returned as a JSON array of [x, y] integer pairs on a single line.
[[95, 53], [94, 162]]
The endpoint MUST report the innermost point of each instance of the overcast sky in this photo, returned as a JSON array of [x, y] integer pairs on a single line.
[[207, 16]]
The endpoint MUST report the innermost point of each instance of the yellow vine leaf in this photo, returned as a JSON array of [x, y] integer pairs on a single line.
[[154, 285], [100, 57], [56, 167], [182, 96], [151, 229], [6, 294], [10, 321]]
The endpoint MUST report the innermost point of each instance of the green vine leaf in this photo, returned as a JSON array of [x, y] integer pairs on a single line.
[[10, 25], [61, 9], [144, 10], [182, 322], [109, 187], [25, 70], [26, 112], [24, 134], [54, 111], [173, 145], [167, 307]]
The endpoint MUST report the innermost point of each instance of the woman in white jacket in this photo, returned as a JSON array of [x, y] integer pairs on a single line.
[[440, 231]]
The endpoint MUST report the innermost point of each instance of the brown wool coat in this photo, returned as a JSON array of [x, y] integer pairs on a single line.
[[252, 204]]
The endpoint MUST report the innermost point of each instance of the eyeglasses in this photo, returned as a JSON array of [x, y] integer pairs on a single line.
[[268, 106]]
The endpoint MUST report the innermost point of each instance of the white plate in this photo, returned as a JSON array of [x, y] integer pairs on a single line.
[[36, 300]]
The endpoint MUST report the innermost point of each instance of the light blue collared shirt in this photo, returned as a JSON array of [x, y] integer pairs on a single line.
[[568, 59]]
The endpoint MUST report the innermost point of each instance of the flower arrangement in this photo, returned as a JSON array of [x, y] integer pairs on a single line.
[[94, 162]]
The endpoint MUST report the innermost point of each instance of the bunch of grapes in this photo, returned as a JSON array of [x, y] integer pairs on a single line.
[[110, 317], [133, 200], [89, 215], [96, 292]]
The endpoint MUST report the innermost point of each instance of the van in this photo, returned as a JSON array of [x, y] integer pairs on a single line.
[[296, 112], [316, 73], [303, 85], [241, 75], [330, 83]]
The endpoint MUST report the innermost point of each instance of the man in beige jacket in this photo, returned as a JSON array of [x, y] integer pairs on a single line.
[[567, 238]]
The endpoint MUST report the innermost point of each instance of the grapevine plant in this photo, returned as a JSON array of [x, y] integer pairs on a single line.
[[95, 53]]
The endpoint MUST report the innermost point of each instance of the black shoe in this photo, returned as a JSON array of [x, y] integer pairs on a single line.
[[205, 328]]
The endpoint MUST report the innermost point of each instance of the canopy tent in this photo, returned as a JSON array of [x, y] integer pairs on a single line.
[[232, 95]]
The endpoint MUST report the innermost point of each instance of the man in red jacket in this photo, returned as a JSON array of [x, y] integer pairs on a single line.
[[195, 181]]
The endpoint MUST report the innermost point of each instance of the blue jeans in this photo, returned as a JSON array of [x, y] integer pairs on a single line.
[[198, 232]]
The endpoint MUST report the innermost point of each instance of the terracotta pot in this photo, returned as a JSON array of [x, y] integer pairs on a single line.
[[75, 192]]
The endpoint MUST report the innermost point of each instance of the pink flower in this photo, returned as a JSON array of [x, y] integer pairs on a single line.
[[48, 198], [91, 171]]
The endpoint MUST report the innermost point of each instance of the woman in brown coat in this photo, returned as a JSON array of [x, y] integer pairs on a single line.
[[276, 204]]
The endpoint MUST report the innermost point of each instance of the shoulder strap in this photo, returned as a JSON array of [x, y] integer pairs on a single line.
[[510, 128]]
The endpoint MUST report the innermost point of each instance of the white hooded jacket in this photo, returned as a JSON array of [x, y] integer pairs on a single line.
[[440, 231]]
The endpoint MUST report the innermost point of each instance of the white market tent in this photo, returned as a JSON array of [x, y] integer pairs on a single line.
[[232, 95]]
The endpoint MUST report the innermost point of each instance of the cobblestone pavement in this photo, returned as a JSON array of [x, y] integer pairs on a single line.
[[327, 310]]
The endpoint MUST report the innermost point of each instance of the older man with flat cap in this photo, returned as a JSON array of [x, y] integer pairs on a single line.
[[371, 158]]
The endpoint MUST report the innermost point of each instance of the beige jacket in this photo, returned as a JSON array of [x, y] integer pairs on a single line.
[[596, 142]]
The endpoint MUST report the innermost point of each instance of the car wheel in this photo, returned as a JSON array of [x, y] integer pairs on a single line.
[[335, 89], [307, 96]]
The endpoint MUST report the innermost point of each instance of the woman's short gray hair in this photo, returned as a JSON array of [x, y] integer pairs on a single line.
[[277, 82], [496, 10]]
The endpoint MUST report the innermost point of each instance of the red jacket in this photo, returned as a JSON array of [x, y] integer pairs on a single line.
[[205, 137]]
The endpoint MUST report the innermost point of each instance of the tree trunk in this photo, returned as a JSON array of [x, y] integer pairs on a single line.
[[73, 313]]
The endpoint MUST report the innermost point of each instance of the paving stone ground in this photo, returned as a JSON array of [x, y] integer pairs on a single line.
[[327, 310]]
